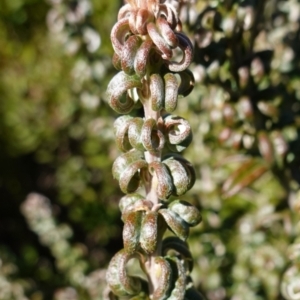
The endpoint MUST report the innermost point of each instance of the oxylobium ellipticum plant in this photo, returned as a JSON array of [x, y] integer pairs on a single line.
[[152, 55]]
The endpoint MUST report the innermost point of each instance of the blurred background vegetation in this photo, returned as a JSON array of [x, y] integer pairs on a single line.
[[56, 140]]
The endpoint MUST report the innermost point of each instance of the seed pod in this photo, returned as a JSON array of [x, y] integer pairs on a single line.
[[189, 213], [149, 231], [132, 231], [117, 278], [175, 223]]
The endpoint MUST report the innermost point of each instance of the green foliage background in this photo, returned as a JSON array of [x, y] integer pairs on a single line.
[[56, 139]]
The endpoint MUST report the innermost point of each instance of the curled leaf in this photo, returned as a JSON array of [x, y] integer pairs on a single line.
[[167, 32], [152, 138], [117, 278], [188, 212], [128, 133], [118, 35], [130, 179], [156, 87], [159, 41], [163, 275], [128, 54], [178, 132], [162, 179], [128, 201], [121, 126], [171, 92], [173, 244], [187, 49], [141, 58], [149, 232], [179, 276], [182, 172], [175, 223], [117, 95], [135, 132], [187, 82], [132, 231], [124, 160]]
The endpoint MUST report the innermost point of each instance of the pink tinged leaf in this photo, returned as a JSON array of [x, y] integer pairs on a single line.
[[158, 40], [143, 17], [128, 54], [175, 223], [131, 21], [141, 58], [163, 179], [243, 176], [118, 35], [187, 49], [149, 232], [169, 12], [124, 11], [171, 92], [132, 230], [152, 138], [156, 87], [117, 89], [167, 32]]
